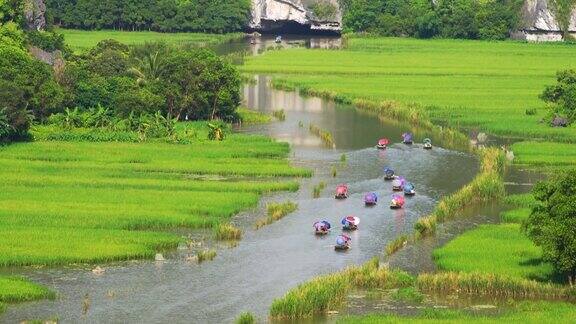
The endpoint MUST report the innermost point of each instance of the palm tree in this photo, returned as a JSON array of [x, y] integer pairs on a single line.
[[149, 62]]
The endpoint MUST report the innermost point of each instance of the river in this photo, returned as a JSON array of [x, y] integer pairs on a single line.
[[268, 262]]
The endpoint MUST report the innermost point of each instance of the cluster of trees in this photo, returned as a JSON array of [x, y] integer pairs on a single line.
[[552, 224], [179, 83], [470, 19], [216, 16], [562, 96]]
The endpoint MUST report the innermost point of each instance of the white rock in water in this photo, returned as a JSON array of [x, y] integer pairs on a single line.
[[159, 257], [98, 270]]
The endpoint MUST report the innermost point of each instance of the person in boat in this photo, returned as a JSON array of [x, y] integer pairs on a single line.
[[350, 223], [388, 174], [409, 189], [398, 184], [370, 199], [407, 138], [427, 144], [397, 202], [343, 242], [322, 227], [383, 143], [341, 191]]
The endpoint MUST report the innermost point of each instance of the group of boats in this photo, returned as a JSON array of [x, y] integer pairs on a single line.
[[399, 185]]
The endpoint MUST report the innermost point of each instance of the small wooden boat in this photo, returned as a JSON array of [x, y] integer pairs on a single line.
[[322, 228], [341, 192], [370, 199], [409, 189], [397, 202], [407, 138], [427, 144], [350, 223], [383, 144], [397, 184], [389, 174], [342, 242]]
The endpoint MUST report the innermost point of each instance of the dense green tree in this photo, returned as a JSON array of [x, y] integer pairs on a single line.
[[200, 85], [562, 95], [552, 224]]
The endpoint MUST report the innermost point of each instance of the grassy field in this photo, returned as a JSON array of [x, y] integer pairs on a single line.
[[523, 312], [83, 39], [500, 249], [545, 154], [66, 202], [481, 85]]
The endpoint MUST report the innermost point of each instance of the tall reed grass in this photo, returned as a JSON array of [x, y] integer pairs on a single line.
[[206, 255], [397, 244], [317, 190], [275, 212], [323, 134], [329, 292], [246, 318], [227, 231]]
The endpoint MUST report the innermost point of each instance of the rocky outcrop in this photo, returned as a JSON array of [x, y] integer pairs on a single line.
[[291, 15], [539, 22], [34, 11]]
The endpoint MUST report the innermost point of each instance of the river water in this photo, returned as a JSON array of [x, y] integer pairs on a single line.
[[268, 262]]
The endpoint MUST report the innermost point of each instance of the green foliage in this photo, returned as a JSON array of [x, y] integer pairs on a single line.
[[562, 96], [552, 224], [226, 231], [544, 154], [444, 18], [517, 216], [276, 211], [563, 10], [409, 294], [46, 40], [206, 255], [324, 10], [158, 15], [249, 117]]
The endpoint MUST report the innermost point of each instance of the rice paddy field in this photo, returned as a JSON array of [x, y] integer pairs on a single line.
[[480, 85], [80, 40], [76, 202], [545, 154]]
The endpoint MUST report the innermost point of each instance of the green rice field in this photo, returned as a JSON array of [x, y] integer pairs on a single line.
[[80, 40], [70, 202], [480, 85], [499, 249], [545, 154], [523, 312]]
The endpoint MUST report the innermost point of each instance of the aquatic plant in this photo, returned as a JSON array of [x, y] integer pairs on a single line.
[[334, 172], [323, 134], [276, 211], [326, 293], [206, 255], [246, 318], [343, 158], [279, 114], [486, 284], [227, 231], [17, 289], [408, 294], [317, 190], [250, 117], [397, 244]]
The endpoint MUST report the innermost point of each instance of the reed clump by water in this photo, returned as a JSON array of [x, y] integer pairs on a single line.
[[493, 285], [246, 318], [206, 255], [227, 232], [317, 190], [279, 114], [397, 244], [275, 212], [486, 186], [329, 292], [323, 134]]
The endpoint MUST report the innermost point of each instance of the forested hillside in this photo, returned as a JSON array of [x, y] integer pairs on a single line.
[[159, 15]]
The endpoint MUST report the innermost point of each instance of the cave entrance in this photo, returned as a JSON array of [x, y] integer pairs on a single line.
[[270, 27]]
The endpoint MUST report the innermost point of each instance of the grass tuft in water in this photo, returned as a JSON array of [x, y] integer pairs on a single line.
[[279, 114], [206, 255], [276, 211], [397, 244], [246, 318], [17, 289], [408, 294], [323, 134], [227, 232], [317, 190]]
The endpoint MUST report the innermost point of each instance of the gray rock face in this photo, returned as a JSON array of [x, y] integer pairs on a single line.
[[273, 15], [539, 23], [34, 11]]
